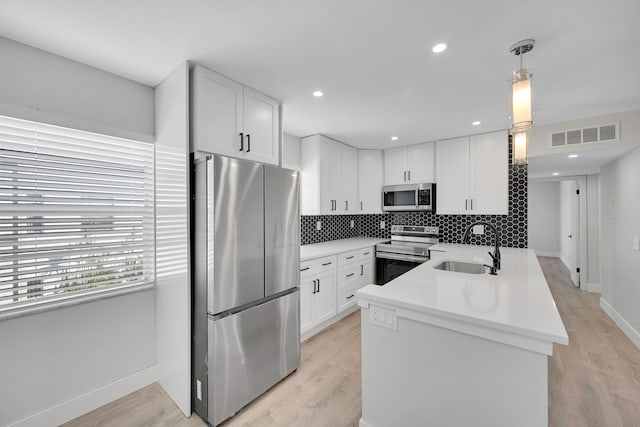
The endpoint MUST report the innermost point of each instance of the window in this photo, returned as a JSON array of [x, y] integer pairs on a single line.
[[76, 216]]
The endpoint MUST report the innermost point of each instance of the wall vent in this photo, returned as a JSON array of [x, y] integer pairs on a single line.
[[604, 133]]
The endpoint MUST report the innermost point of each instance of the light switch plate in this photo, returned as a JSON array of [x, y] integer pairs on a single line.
[[198, 390], [478, 229], [636, 243], [382, 224], [353, 223], [318, 225], [381, 316]]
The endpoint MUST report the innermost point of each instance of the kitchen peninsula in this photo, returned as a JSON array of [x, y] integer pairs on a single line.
[[459, 349]]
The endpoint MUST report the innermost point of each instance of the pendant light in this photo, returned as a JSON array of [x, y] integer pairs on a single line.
[[521, 112]]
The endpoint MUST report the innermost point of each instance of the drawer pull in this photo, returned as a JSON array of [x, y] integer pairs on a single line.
[[327, 263], [366, 253], [350, 274], [350, 296], [349, 257], [305, 269]]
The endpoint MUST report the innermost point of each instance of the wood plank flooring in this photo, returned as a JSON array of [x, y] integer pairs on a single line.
[[594, 381]]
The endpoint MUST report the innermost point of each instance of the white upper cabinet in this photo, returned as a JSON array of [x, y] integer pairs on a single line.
[[329, 179], [232, 120], [290, 152], [409, 164], [473, 175], [370, 180]]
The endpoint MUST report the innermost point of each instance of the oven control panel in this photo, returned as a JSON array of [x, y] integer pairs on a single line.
[[415, 230]]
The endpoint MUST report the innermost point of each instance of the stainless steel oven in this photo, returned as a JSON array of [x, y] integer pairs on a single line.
[[409, 197], [407, 249]]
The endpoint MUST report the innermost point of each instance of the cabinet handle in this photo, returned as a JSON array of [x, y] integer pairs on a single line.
[[314, 286], [350, 274], [346, 205], [350, 296], [405, 175], [466, 204], [471, 203], [361, 208], [327, 263], [409, 176], [241, 141], [248, 143], [366, 253], [305, 269], [349, 257], [318, 285], [361, 270]]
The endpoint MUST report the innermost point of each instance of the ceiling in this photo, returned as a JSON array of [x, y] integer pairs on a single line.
[[371, 58]]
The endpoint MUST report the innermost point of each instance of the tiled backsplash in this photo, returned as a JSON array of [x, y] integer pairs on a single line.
[[512, 227]]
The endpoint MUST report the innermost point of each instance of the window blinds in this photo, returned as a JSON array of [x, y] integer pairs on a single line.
[[76, 215]]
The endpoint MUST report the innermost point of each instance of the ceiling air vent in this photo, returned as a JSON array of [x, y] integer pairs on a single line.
[[604, 133]]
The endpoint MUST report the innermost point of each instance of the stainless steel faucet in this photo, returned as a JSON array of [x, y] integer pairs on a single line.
[[495, 256]]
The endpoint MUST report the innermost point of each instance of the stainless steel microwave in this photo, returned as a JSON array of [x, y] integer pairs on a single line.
[[409, 197]]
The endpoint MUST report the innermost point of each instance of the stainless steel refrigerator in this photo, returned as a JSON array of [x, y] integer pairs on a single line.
[[246, 299]]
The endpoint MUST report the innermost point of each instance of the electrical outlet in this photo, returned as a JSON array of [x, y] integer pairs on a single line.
[[382, 225], [636, 243], [385, 317], [198, 390], [353, 223], [478, 229], [318, 225]]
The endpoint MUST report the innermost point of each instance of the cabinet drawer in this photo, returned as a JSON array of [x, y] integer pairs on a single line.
[[347, 296], [354, 256], [348, 274], [317, 265]]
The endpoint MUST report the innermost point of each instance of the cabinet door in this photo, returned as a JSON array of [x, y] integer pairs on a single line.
[[489, 173], [420, 163], [349, 179], [367, 272], [261, 127], [217, 113], [452, 165], [306, 295], [395, 166], [324, 301], [326, 178], [370, 180]]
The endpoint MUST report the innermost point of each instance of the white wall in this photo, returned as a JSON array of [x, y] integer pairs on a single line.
[[173, 292], [59, 364], [544, 217], [566, 223], [38, 85], [620, 223], [290, 152]]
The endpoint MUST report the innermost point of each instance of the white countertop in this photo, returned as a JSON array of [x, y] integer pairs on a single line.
[[334, 247], [515, 307]]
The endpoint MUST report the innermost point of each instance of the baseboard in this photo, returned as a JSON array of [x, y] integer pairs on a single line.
[[628, 330], [594, 287], [545, 253], [324, 325], [94, 399], [565, 262], [363, 423]]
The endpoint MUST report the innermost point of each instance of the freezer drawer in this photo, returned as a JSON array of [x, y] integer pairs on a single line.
[[250, 351]]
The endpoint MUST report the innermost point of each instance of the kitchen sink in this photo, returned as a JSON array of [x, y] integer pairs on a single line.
[[461, 267]]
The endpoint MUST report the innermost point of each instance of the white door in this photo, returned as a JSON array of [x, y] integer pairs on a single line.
[[261, 117], [395, 166], [489, 174], [349, 179], [218, 106], [420, 163], [370, 180], [306, 292], [324, 300], [452, 168]]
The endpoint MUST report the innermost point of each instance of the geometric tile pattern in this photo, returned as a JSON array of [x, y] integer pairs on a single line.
[[512, 227]]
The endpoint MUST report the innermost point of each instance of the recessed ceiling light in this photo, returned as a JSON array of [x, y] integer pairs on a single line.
[[440, 47], [318, 93], [555, 173], [573, 156], [476, 123], [394, 138]]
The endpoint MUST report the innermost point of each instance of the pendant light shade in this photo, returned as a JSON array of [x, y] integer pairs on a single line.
[[521, 111], [520, 148]]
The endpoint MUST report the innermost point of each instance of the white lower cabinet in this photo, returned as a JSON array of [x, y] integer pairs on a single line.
[[355, 270], [317, 292]]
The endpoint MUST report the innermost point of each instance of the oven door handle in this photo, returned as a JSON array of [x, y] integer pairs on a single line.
[[399, 257]]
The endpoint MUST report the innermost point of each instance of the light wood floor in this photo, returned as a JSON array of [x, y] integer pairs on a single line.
[[594, 381]]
